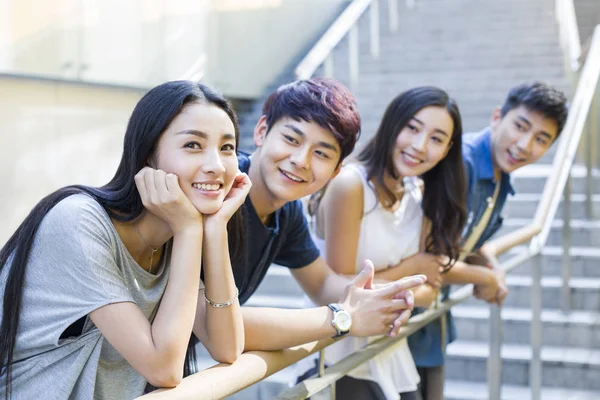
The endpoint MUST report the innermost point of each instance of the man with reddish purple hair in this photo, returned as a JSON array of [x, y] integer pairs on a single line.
[[307, 129]]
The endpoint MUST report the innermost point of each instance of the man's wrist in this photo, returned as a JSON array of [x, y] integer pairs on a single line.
[[341, 320]]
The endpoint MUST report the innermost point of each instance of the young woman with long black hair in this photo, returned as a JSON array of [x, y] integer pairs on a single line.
[[401, 205], [101, 286]]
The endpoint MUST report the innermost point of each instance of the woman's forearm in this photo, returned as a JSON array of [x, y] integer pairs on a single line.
[[424, 295], [463, 273], [405, 268], [175, 316], [223, 326]]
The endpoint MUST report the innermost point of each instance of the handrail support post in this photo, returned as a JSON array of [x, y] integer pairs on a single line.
[[535, 365], [353, 57], [494, 362], [591, 155], [566, 246], [393, 14], [374, 28]]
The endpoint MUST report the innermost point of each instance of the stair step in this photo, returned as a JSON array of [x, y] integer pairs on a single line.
[[583, 232], [466, 390], [524, 205], [574, 328], [585, 293], [585, 261], [565, 367]]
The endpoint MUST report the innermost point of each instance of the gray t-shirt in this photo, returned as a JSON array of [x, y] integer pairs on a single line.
[[77, 265]]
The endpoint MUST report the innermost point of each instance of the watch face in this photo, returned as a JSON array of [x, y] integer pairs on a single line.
[[343, 321]]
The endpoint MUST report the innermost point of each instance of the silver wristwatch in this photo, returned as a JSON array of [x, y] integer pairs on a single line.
[[342, 321]]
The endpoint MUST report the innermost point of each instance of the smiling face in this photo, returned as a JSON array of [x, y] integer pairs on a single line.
[[199, 147], [423, 142], [296, 158], [519, 138]]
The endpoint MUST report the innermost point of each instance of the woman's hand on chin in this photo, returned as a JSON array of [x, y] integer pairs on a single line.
[[233, 200], [162, 196]]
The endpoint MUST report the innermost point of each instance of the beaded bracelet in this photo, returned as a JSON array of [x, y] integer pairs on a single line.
[[222, 305]]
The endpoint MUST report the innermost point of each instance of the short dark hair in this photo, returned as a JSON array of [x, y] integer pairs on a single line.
[[324, 101], [538, 97]]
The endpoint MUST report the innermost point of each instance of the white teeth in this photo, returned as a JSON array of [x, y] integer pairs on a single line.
[[207, 186], [411, 158], [292, 177], [515, 157]]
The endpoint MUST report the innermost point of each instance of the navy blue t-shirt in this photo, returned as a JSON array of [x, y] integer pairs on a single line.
[[285, 241]]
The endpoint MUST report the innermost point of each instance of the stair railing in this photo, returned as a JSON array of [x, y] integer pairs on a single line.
[[347, 25], [568, 33]]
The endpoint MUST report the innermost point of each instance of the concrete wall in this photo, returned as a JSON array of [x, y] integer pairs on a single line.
[[238, 45], [55, 134], [254, 45]]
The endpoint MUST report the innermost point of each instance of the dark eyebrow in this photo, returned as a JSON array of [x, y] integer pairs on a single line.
[[525, 120], [193, 132], [546, 134], [302, 134], [226, 136], [435, 130], [418, 120]]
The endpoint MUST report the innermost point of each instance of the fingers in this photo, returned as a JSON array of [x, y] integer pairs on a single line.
[[172, 184], [242, 180], [402, 284], [407, 295], [502, 292], [365, 278], [401, 320], [151, 185], [140, 183], [160, 182]]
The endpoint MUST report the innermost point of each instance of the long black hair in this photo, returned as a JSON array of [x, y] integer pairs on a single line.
[[445, 196], [119, 197]]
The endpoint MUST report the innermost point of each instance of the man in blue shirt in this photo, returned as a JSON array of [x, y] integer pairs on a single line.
[[520, 133], [308, 127]]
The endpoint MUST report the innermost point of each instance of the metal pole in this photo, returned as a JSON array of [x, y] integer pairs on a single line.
[[321, 362], [393, 14], [322, 373], [589, 179], [353, 56], [535, 366], [566, 246], [328, 66], [494, 362], [374, 28], [591, 153]]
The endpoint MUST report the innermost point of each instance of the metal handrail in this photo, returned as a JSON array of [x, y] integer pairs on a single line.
[[347, 25], [334, 35], [569, 31]]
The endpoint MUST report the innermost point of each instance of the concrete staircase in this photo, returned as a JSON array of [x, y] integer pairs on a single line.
[[477, 50]]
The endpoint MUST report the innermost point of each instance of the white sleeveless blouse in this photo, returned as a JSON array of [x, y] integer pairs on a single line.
[[386, 238]]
